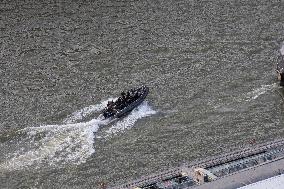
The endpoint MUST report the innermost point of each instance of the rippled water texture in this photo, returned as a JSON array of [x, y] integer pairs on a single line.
[[209, 66]]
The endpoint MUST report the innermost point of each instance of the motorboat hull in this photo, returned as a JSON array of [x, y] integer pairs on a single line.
[[143, 94]]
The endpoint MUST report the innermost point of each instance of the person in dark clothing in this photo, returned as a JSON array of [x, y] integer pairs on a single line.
[[110, 103], [136, 95], [123, 94], [119, 100]]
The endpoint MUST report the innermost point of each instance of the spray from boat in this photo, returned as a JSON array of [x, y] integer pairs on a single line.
[[81, 114], [69, 143], [122, 125], [260, 91]]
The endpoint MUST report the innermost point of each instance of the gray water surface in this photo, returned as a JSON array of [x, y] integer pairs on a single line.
[[209, 66]]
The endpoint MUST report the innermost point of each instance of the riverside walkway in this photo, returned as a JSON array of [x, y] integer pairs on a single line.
[[227, 171]]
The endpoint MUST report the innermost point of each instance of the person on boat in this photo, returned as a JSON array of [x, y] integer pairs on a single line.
[[123, 95], [128, 100], [108, 109], [121, 103], [111, 110], [118, 106], [128, 96], [136, 95], [125, 98], [110, 103], [119, 100], [132, 92]]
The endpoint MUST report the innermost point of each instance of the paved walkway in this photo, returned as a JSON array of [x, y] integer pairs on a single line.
[[276, 182], [246, 177]]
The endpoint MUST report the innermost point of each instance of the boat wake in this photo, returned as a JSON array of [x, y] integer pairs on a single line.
[[81, 114], [264, 88], [259, 91], [141, 111], [69, 143]]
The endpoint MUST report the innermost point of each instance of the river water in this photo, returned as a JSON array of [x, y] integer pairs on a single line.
[[209, 66]]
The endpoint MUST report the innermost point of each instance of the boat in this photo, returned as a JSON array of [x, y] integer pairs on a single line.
[[125, 103], [280, 71]]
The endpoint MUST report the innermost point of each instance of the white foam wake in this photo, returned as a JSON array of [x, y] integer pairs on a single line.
[[128, 122], [259, 91], [72, 143], [55, 145], [80, 114], [60, 144]]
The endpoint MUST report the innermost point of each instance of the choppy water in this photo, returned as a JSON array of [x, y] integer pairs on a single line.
[[209, 65]]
